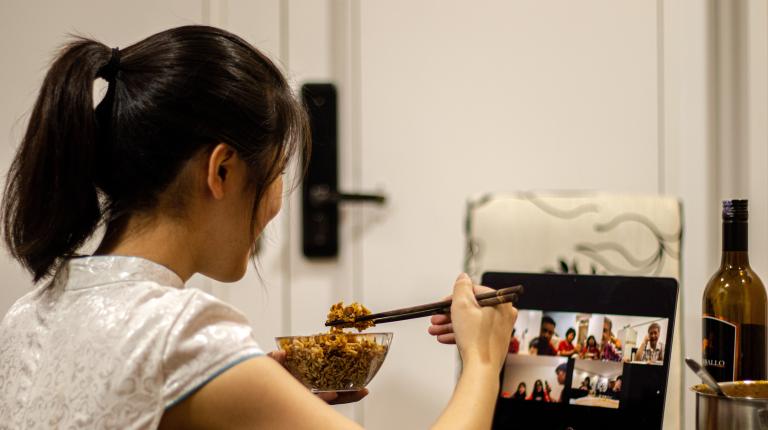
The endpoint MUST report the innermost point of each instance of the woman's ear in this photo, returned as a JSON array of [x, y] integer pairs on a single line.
[[220, 163]]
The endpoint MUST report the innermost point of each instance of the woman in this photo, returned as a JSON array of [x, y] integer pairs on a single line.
[[615, 391], [591, 350], [565, 348], [181, 163], [514, 344], [609, 344], [521, 392], [539, 393], [586, 385]]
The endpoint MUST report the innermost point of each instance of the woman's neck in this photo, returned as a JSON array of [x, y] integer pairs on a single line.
[[162, 241]]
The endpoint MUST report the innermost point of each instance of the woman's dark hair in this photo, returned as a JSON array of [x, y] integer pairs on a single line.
[[569, 331], [171, 96], [521, 385], [592, 338]]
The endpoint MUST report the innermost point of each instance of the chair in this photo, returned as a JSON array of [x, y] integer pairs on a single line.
[[587, 233]]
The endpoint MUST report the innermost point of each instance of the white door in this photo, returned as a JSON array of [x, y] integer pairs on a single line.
[[497, 96]]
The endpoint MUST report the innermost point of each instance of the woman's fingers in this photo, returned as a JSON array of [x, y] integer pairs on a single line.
[[350, 397], [436, 330], [278, 356], [481, 289], [441, 327], [444, 332], [448, 339], [463, 291], [440, 319], [333, 398]]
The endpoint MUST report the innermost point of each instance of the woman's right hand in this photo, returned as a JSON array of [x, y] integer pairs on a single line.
[[482, 333]]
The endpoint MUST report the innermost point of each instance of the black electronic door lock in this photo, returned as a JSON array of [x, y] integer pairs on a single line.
[[320, 194]]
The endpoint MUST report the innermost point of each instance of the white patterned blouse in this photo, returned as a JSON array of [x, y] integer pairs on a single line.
[[111, 342]]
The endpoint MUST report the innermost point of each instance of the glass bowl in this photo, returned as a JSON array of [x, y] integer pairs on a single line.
[[335, 361]]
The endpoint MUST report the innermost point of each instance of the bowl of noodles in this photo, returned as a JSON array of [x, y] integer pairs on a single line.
[[337, 360]]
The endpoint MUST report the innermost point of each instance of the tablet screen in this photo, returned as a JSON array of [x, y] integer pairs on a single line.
[[572, 363]]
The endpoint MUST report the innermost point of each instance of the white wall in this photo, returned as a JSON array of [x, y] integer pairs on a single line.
[[528, 327], [30, 33], [599, 372], [563, 321], [595, 327]]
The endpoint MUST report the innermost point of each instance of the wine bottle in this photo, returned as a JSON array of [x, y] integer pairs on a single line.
[[734, 307]]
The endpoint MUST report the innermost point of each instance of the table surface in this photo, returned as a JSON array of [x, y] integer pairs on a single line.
[[596, 401]]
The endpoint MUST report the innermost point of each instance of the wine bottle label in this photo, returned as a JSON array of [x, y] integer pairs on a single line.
[[719, 348]]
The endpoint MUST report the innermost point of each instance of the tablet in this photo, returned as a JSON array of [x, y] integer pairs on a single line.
[[587, 352]]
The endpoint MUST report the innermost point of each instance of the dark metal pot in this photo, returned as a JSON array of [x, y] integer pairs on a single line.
[[745, 408]]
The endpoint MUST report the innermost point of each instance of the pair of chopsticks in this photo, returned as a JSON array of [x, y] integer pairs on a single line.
[[504, 295]]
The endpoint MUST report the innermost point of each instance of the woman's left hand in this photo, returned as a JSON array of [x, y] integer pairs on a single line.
[[329, 397], [343, 397]]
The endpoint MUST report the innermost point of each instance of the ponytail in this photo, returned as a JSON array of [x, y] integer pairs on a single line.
[[171, 96], [51, 205]]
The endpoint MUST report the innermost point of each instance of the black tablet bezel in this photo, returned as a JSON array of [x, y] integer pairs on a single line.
[[598, 294]]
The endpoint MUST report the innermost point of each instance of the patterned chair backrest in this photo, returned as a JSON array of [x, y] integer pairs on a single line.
[[583, 233]]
